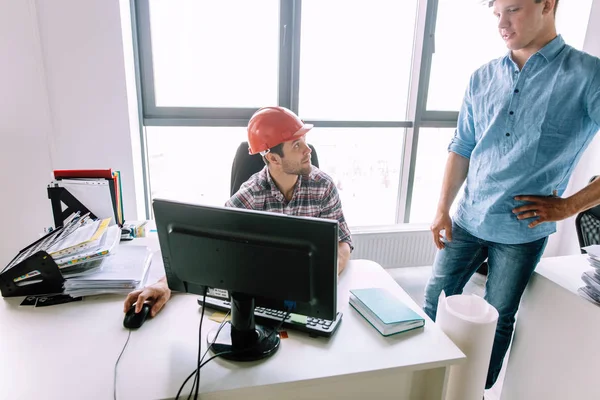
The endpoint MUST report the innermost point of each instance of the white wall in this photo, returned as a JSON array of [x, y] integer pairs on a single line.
[[25, 128], [64, 103], [82, 43], [564, 241]]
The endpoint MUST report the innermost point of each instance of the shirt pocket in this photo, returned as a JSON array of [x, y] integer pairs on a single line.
[[558, 136]]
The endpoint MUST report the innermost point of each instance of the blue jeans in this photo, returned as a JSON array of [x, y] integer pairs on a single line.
[[509, 268]]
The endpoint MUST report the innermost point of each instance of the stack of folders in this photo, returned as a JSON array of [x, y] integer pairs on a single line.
[[75, 248], [124, 270], [591, 278], [386, 313], [99, 190]]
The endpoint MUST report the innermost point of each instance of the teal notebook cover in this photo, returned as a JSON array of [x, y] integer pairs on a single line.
[[389, 309]]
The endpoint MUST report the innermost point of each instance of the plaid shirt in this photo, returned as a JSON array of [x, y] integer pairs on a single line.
[[315, 195]]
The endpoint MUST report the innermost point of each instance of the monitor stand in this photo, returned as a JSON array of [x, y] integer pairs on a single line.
[[241, 339]]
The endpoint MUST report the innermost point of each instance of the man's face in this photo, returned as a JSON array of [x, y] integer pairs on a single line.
[[521, 22], [296, 157]]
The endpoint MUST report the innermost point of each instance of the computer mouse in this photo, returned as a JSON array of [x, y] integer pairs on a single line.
[[134, 320]]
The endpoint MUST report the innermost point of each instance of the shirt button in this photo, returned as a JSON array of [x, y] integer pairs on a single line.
[[507, 134], [511, 113], [516, 90], [516, 71]]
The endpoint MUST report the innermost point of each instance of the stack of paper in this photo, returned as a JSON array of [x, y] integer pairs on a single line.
[[122, 271], [591, 278]]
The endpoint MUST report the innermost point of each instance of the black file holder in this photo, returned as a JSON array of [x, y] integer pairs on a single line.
[[58, 195], [50, 278]]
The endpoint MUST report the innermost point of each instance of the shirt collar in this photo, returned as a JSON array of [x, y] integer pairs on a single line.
[[275, 190], [551, 50]]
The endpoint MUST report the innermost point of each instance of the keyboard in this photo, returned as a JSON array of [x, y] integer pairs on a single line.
[[264, 316]]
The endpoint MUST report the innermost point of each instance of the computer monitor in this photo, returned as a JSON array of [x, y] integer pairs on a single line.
[[262, 259]]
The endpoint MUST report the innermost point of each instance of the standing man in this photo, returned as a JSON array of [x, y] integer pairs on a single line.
[[525, 121]]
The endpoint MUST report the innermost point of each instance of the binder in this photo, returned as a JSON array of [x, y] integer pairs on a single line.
[[36, 272], [60, 195], [83, 173]]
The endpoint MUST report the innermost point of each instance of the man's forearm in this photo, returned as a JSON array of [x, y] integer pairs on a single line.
[[343, 256], [454, 176], [586, 198]]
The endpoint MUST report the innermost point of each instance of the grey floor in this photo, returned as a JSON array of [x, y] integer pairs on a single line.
[[414, 279]]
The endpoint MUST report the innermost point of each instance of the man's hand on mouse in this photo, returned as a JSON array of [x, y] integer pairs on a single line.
[[156, 295]]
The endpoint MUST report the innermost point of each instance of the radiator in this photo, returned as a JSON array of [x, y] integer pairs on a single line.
[[407, 245]]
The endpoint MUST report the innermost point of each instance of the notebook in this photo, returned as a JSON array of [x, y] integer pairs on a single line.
[[387, 313]]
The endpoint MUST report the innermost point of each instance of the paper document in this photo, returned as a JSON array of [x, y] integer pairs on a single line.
[[593, 251], [124, 270], [107, 243], [83, 237], [93, 194]]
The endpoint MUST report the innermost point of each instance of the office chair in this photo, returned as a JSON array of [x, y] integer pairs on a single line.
[[245, 165], [587, 224]]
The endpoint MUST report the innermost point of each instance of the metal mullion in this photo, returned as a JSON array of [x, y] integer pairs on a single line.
[[286, 18], [153, 121], [295, 60], [361, 124], [142, 11], [421, 70], [200, 113], [138, 82], [439, 119]]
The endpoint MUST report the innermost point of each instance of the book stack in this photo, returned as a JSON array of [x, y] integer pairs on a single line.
[[386, 313], [591, 278]]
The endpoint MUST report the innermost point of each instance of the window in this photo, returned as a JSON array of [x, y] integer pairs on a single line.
[[355, 59], [462, 26], [368, 75], [192, 164], [465, 25], [432, 153], [365, 164], [211, 54]]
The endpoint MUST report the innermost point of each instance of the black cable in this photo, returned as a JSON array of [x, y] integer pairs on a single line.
[[201, 364], [209, 346], [116, 364], [213, 342], [200, 342]]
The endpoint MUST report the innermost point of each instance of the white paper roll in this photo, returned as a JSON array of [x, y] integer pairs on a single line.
[[470, 322]]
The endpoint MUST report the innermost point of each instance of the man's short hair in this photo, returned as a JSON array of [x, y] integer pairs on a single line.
[[277, 150], [491, 3]]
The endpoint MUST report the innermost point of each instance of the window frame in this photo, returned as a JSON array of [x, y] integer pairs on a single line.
[[288, 92]]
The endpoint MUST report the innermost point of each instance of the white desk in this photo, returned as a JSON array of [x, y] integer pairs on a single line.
[[68, 351], [555, 354]]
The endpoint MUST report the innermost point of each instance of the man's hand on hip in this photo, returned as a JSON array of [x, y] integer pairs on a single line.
[[543, 208], [441, 222]]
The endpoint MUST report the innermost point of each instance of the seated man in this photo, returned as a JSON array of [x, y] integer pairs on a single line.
[[288, 184]]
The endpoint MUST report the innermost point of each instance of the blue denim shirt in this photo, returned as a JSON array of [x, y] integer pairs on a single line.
[[523, 133]]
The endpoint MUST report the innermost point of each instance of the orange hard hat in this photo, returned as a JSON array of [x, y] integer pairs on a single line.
[[270, 126]]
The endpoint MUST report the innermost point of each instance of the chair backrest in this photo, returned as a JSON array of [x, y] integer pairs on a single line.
[[245, 165], [587, 224]]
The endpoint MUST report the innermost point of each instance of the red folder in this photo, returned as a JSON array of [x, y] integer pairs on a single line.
[[83, 173]]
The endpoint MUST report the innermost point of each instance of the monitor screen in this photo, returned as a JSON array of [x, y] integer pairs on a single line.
[[283, 262], [263, 259]]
